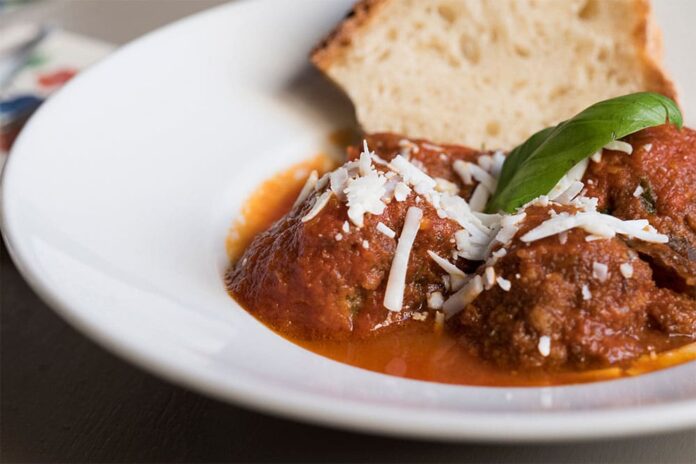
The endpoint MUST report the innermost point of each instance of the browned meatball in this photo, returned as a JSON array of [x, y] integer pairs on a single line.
[[656, 182], [315, 280], [591, 320], [571, 304]]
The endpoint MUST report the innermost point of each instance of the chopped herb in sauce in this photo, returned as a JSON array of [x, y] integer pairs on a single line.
[[648, 197]]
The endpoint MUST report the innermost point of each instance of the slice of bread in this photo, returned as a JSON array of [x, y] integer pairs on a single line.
[[489, 72]]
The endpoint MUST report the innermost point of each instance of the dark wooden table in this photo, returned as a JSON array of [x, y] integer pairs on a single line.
[[65, 399]]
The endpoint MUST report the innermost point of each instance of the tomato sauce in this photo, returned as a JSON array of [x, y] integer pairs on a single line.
[[417, 351], [414, 350], [270, 201]]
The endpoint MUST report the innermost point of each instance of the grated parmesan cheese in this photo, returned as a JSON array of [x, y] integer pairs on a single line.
[[618, 145], [497, 165], [470, 171], [495, 256], [445, 186], [463, 297], [408, 147], [307, 188], [485, 161], [422, 183], [401, 191], [499, 253], [509, 225], [448, 267], [638, 191], [337, 182], [368, 190], [396, 283], [479, 198], [563, 237], [488, 278], [365, 160], [586, 204], [592, 238], [432, 147], [600, 271], [544, 345], [319, 204], [457, 209], [596, 223], [647, 147], [322, 182], [626, 270], [586, 294], [503, 283], [489, 220], [457, 282], [570, 193], [574, 175], [469, 247], [365, 196], [435, 300], [463, 171], [381, 227]]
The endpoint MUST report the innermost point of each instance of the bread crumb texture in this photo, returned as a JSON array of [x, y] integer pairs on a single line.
[[484, 72]]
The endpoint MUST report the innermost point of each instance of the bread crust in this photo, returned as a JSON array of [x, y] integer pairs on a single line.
[[329, 50], [647, 36]]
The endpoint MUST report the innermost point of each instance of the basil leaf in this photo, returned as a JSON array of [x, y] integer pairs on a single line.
[[534, 168], [517, 156]]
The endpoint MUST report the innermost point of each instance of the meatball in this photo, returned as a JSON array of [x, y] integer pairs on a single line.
[[568, 301], [656, 182], [326, 277], [594, 301]]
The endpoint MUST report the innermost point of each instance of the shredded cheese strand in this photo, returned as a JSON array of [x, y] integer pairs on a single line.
[[446, 266], [463, 297], [307, 188], [602, 225], [396, 283], [319, 204]]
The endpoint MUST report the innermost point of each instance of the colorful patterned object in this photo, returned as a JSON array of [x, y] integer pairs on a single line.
[[56, 60], [11, 4], [14, 113]]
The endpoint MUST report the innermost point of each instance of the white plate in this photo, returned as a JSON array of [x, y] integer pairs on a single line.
[[119, 193]]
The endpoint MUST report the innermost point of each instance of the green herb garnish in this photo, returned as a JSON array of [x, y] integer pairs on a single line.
[[648, 197], [534, 168]]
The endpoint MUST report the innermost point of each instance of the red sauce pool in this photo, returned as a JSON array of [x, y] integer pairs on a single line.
[[416, 350]]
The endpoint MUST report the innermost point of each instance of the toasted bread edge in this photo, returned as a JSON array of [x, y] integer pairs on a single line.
[[647, 35], [332, 47]]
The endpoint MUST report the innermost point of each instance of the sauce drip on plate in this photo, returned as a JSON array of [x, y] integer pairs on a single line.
[[416, 350]]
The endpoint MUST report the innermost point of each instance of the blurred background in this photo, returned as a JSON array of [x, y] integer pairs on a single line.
[[64, 399], [44, 43]]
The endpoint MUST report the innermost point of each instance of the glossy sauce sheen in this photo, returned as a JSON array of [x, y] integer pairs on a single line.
[[271, 201], [416, 350]]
